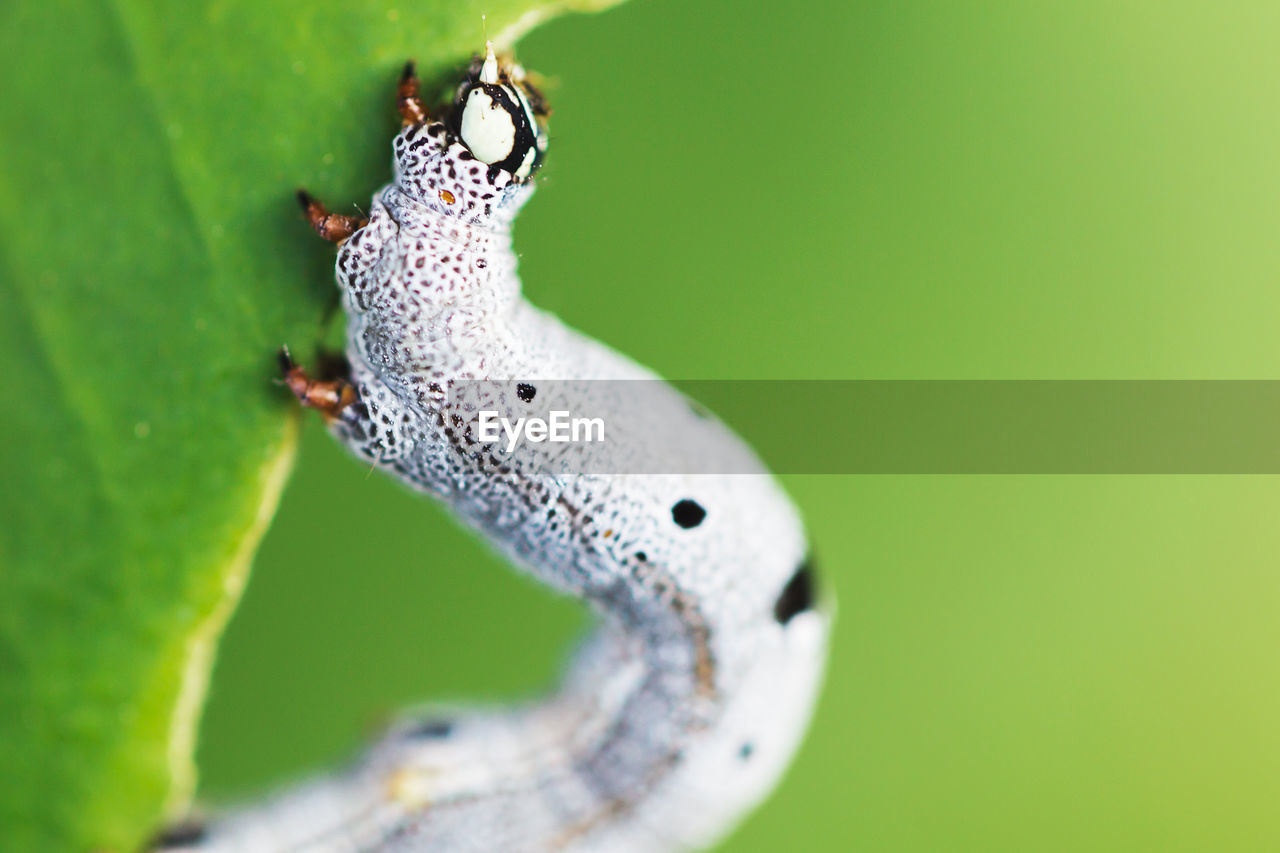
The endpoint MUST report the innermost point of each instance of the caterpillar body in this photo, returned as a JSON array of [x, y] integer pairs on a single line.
[[683, 708]]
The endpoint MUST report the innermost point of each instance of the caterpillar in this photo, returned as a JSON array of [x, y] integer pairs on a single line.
[[682, 709]]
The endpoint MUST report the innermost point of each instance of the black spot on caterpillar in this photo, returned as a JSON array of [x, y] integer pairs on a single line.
[[797, 596], [688, 513], [430, 730]]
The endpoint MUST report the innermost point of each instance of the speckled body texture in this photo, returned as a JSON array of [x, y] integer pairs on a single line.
[[684, 707]]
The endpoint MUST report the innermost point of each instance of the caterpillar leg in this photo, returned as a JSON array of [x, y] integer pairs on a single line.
[[329, 396], [333, 227], [408, 102]]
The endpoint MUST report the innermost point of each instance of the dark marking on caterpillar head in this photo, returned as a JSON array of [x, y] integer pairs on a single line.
[[746, 750], [526, 392], [688, 513], [797, 596]]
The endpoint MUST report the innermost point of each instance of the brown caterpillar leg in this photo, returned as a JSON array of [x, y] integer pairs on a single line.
[[329, 396], [333, 227], [407, 101]]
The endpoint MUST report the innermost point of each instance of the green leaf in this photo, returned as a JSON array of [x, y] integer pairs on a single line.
[[152, 260]]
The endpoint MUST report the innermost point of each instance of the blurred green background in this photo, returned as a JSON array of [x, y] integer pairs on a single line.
[[878, 190]]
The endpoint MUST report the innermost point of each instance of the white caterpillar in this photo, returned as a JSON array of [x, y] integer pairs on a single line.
[[681, 711]]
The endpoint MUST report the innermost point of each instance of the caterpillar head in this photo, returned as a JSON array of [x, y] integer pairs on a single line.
[[498, 115], [476, 164]]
